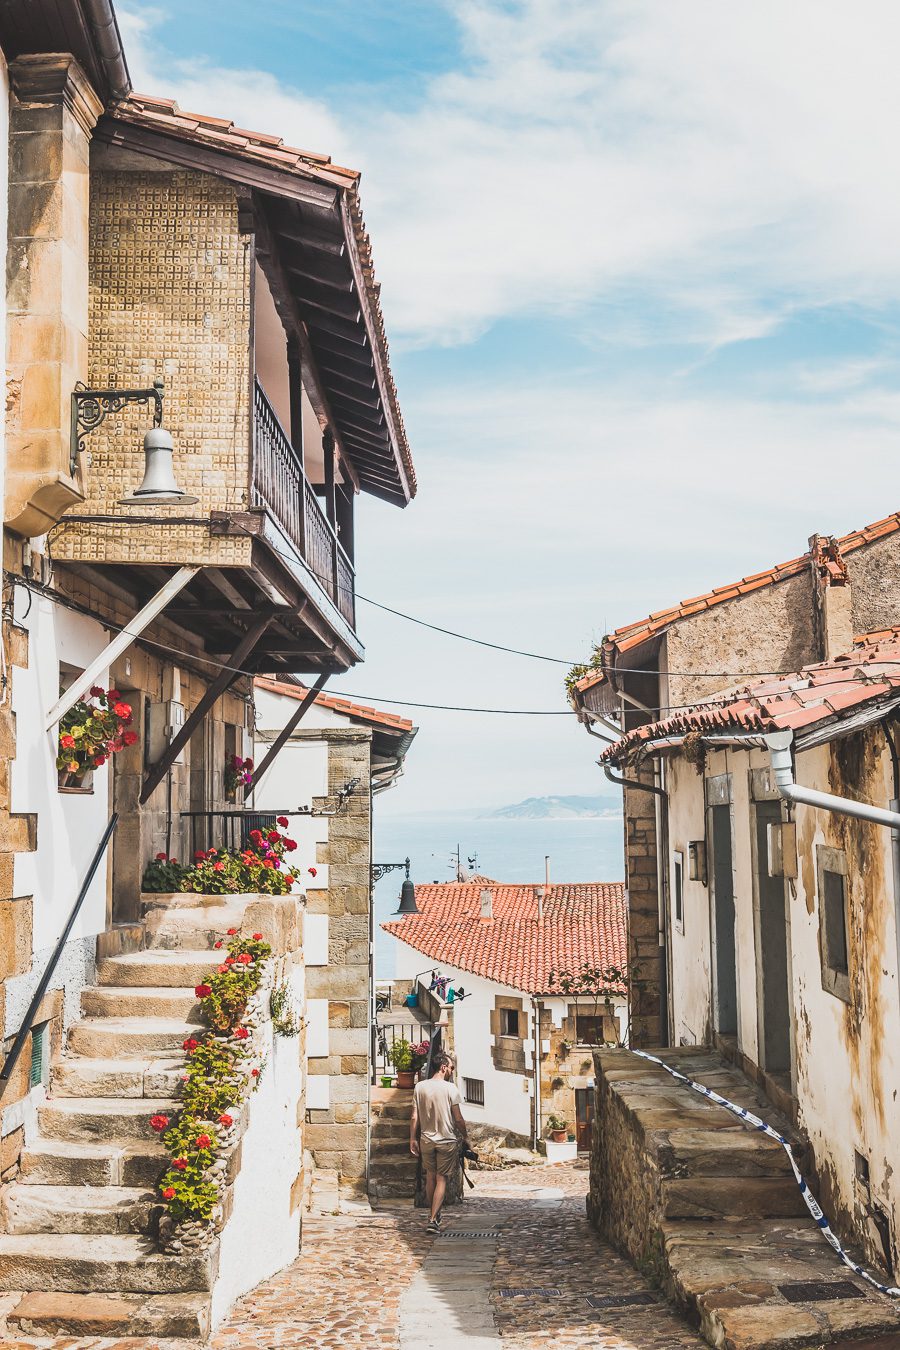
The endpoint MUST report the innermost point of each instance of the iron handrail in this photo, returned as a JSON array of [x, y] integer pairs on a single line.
[[43, 984]]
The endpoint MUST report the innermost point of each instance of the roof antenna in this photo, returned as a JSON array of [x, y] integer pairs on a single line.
[[547, 870]]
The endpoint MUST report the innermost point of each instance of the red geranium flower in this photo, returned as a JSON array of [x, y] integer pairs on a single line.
[[256, 834], [224, 969], [67, 742], [203, 1141], [257, 937], [226, 1120], [231, 932], [122, 710], [190, 1045], [218, 944], [161, 857], [241, 1033], [218, 867], [248, 763], [203, 990], [312, 871], [112, 694], [179, 1164], [273, 836], [169, 1193], [290, 845], [99, 761], [159, 1123], [254, 1073], [283, 822], [97, 690], [130, 737], [200, 855], [245, 959], [229, 961]]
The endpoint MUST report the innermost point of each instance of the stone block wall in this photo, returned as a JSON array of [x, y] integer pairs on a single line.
[[337, 1136], [645, 956], [170, 298], [508, 1052]]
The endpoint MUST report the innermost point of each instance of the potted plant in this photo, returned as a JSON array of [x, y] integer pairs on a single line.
[[401, 1056], [559, 1129], [91, 732], [387, 1080], [420, 1055], [238, 775], [262, 868]]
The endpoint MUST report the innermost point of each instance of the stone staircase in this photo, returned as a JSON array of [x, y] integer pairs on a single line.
[[392, 1168], [709, 1209], [78, 1226]]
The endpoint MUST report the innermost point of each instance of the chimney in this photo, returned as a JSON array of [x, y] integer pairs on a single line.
[[832, 598], [487, 906], [539, 892]]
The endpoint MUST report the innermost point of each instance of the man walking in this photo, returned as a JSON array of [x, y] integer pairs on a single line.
[[435, 1130]]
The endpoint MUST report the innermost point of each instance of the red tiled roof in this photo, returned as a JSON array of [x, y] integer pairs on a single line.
[[583, 925], [633, 634], [218, 133], [360, 711], [827, 690]]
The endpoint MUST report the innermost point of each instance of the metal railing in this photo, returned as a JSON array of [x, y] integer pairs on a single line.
[[227, 829], [385, 1037], [280, 484], [44, 983]]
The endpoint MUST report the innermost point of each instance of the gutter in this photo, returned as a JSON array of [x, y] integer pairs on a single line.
[[778, 744], [101, 19]]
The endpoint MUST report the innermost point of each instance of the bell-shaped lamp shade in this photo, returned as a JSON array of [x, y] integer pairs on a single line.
[[407, 899], [159, 484]]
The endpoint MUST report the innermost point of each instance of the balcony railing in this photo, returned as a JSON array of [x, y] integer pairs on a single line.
[[282, 487]]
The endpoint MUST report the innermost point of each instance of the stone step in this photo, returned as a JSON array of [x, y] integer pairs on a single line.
[[128, 1037], [100, 1263], [94, 1120], [69, 1314], [184, 923], [389, 1130], [725, 1153], [141, 1001], [56, 1162], [401, 1109], [180, 969], [77, 1076], [76, 1209], [733, 1197]]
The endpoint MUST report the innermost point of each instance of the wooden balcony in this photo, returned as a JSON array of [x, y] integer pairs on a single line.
[[279, 484]]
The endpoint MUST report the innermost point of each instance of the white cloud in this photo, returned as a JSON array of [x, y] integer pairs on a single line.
[[703, 155]]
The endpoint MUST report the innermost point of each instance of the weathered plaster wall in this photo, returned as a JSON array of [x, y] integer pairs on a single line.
[[875, 581]]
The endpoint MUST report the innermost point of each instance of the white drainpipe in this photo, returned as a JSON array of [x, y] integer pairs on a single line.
[[778, 744]]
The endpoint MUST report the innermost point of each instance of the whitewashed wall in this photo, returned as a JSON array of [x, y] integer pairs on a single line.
[[262, 1235]]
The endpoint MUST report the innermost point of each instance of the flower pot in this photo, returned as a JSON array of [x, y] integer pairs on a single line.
[[559, 1136], [80, 780], [406, 1078], [387, 1080]]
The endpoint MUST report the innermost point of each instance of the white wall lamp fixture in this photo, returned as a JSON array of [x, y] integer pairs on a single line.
[[90, 409]]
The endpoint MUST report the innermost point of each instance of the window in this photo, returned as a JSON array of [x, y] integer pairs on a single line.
[[509, 1022], [40, 1056], [596, 1029], [678, 891], [473, 1091], [833, 942]]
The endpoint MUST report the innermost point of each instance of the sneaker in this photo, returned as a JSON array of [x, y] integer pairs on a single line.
[[434, 1225]]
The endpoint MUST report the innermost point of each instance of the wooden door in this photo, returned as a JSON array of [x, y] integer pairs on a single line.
[[584, 1118]]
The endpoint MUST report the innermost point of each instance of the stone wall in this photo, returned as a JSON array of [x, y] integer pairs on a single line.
[[337, 1136], [170, 271], [645, 956], [508, 1052]]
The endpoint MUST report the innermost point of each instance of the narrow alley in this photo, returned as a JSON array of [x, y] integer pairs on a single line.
[[530, 1273]]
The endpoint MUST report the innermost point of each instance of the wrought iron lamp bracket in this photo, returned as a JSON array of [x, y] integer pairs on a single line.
[[91, 407], [380, 870]]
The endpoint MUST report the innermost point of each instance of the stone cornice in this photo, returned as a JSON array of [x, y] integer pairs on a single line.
[[56, 77]]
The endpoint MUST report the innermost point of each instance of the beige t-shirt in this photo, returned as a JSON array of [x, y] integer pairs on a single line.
[[435, 1099]]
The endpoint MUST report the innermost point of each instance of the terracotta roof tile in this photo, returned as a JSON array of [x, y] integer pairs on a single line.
[[870, 673], [633, 634], [583, 925], [342, 705]]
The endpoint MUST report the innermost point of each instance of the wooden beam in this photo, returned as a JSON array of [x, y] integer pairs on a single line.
[[120, 643], [308, 236], [339, 328], [287, 730], [222, 584], [353, 377], [356, 410], [331, 304], [225, 678], [338, 279]]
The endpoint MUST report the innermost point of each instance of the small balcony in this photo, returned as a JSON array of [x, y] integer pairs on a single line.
[[280, 486]]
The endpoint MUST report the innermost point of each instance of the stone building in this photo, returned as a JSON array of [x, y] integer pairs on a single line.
[[783, 910], [177, 276], [800, 611], [333, 765], [523, 1047]]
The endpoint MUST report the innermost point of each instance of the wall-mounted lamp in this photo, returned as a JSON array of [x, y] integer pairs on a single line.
[[697, 861], [90, 409], [407, 903]]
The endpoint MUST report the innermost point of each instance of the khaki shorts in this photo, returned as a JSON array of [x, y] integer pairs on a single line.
[[442, 1158]]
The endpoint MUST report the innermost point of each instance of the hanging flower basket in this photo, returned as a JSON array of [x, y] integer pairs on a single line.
[[91, 732], [238, 776]]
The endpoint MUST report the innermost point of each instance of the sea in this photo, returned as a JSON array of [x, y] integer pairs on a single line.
[[585, 848]]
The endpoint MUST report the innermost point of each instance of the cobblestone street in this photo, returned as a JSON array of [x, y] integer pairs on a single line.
[[381, 1282]]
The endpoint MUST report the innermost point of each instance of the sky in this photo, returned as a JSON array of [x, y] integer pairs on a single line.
[[641, 280]]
